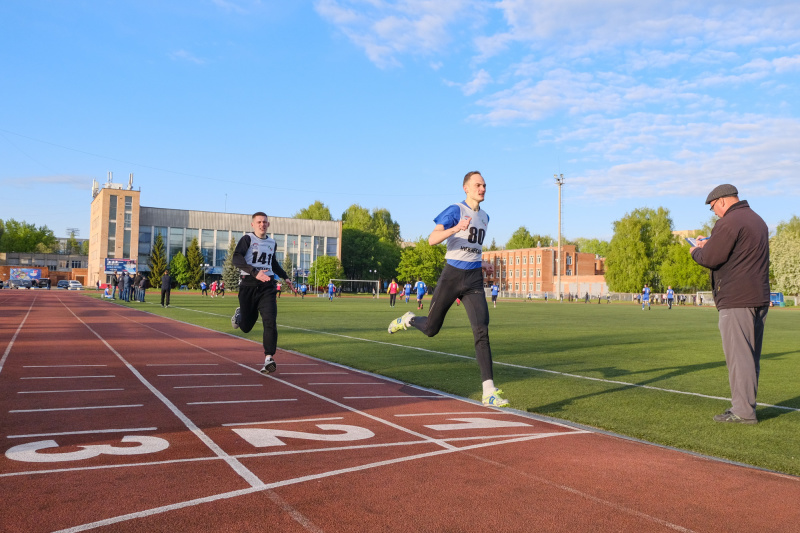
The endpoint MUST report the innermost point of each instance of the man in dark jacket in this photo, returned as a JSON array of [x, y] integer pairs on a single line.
[[166, 286], [114, 283], [737, 253]]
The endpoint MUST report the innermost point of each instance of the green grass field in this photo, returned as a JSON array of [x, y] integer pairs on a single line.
[[655, 375]]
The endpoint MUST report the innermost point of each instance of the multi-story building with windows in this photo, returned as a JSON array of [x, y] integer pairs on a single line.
[[121, 228], [535, 270]]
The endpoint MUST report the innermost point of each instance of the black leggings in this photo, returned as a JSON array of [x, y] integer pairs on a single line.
[[468, 286], [255, 300]]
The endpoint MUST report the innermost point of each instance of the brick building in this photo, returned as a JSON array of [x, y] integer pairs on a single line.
[[534, 270]]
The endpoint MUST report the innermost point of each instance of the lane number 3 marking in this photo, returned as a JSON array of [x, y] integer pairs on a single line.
[[29, 452]]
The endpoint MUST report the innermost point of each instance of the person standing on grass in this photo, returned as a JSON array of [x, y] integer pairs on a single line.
[[255, 257], [393, 288], [646, 297], [331, 290], [203, 288], [495, 292], [166, 287], [407, 291], [737, 254], [114, 283], [463, 225], [670, 296]]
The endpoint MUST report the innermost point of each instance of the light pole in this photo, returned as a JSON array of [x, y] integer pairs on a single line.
[[559, 181], [205, 268]]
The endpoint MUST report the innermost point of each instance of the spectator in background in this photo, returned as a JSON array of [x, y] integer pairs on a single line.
[[166, 287]]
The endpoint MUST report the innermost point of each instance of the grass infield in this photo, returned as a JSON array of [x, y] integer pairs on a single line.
[[655, 375]]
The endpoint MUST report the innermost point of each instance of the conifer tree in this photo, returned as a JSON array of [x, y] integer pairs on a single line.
[[157, 262], [230, 274]]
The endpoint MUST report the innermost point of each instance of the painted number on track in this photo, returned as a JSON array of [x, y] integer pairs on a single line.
[[29, 452], [261, 438]]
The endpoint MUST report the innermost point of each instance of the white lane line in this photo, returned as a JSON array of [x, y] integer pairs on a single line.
[[312, 373], [426, 397], [459, 413], [214, 386], [190, 375], [183, 364], [348, 383], [87, 432], [243, 401], [288, 482], [292, 421], [234, 463], [76, 408], [72, 390], [16, 334], [68, 377], [59, 366]]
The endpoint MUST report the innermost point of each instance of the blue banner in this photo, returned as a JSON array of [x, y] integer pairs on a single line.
[[120, 265]]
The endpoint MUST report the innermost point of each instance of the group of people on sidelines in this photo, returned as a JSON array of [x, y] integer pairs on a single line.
[[132, 288]]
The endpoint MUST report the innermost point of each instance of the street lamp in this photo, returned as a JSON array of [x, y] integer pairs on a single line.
[[559, 182], [205, 267]]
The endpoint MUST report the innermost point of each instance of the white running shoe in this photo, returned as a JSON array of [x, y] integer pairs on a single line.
[[401, 323], [235, 318], [269, 365]]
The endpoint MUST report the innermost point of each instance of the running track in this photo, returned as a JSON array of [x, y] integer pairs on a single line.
[[114, 419]]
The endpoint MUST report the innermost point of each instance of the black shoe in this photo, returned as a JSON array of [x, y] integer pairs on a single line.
[[235, 319], [728, 416]]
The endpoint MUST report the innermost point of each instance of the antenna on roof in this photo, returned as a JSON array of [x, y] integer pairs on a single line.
[[130, 182]]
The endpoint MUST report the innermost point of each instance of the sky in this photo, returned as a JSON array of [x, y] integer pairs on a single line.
[[261, 105]]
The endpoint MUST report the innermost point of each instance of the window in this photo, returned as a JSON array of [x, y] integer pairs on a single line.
[[516, 286], [305, 252], [126, 243], [517, 273], [517, 259], [538, 272], [524, 274], [538, 286], [523, 287], [190, 235], [538, 259], [112, 208], [569, 259], [332, 244], [223, 240], [524, 261], [569, 272], [531, 259], [175, 243], [145, 234], [207, 246], [319, 247]]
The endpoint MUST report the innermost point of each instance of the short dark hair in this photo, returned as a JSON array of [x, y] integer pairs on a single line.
[[469, 175], [258, 214]]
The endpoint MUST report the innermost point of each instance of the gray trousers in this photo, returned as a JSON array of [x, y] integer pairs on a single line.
[[742, 331]]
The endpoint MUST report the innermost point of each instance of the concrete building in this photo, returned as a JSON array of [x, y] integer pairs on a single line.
[[534, 270], [122, 229]]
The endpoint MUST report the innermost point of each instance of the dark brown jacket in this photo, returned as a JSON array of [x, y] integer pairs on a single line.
[[737, 252]]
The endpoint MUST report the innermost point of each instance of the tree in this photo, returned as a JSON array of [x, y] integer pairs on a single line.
[[179, 269], [357, 217], [230, 274], [422, 261], [288, 266], [72, 246], [157, 262], [384, 227], [592, 246], [316, 211], [492, 247], [194, 260], [24, 237], [325, 268], [681, 271], [785, 256], [85, 248], [640, 244], [521, 238]]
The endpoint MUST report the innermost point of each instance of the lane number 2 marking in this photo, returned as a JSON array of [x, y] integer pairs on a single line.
[[261, 438]]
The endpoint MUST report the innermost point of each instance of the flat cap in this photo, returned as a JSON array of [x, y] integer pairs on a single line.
[[721, 191]]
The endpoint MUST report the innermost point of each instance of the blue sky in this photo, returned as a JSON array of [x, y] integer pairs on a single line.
[[246, 105]]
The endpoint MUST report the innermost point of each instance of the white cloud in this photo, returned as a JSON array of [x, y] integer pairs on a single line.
[[183, 55]]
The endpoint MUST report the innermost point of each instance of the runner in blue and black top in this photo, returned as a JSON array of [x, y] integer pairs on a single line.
[[646, 296], [463, 225]]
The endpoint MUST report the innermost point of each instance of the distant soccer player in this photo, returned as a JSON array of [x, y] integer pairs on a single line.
[[393, 288], [464, 226], [407, 290], [331, 290], [255, 257], [495, 292], [670, 296], [646, 297], [421, 289]]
